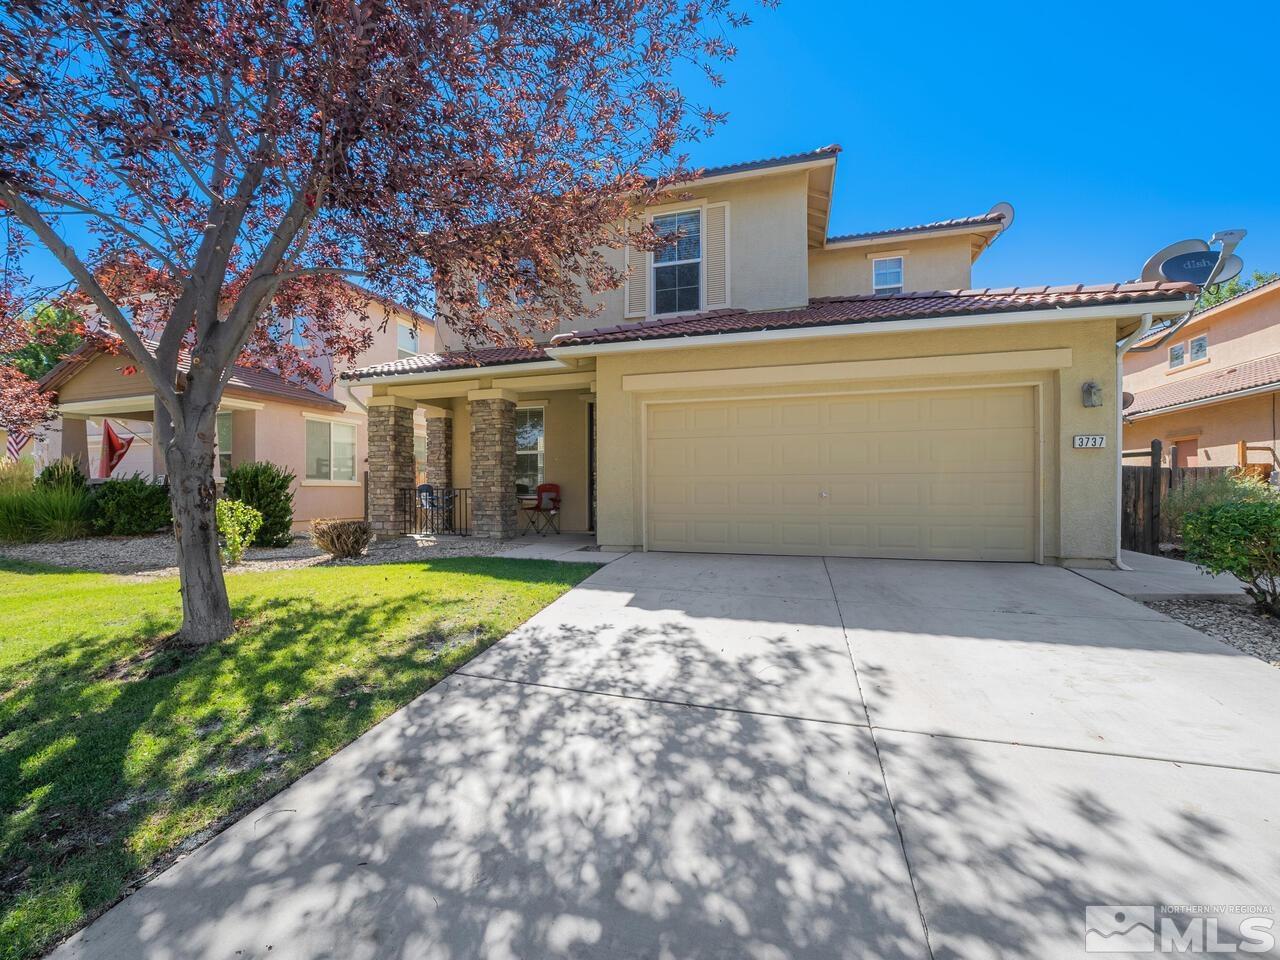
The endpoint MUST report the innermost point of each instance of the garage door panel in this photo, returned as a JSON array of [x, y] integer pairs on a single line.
[[712, 493], [849, 413], [948, 475], [669, 456]]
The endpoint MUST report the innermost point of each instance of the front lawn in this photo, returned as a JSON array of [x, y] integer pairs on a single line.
[[115, 753]]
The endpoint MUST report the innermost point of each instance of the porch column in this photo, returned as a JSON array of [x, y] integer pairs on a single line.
[[390, 463], [161, 435], [75, 441], [438, 469], [493, 463]]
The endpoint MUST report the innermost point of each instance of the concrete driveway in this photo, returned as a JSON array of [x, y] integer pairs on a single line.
[[766, 758]]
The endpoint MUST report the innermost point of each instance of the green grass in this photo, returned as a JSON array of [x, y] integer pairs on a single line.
[[113, 750]]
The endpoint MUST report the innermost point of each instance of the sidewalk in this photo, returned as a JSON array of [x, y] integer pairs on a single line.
[[1159, 578]]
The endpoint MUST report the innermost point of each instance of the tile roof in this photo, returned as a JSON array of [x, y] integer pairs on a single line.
[[986, 219], [830, 150], [832, 311], [1220, 383], [453, 360], [823, 312], [255, 380], [259, 381]]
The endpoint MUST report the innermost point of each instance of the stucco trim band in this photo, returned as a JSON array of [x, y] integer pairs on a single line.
[[1055, 359]]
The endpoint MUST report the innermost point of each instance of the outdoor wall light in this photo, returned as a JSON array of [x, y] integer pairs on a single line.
[[1091, 394]]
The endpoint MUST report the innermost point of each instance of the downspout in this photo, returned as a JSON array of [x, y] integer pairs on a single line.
[[1121, 349], [1173, 328]]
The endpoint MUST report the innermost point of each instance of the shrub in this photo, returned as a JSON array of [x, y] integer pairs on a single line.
[[269, 490], [342, 539], [16, 476], [62, 473], [44, 514], [1189, 498], [238, 524], [130, 506], [1241, 538]]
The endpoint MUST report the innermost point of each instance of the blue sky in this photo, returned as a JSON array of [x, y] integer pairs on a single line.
[[1113, 128]]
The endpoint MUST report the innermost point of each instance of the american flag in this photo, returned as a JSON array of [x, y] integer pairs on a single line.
[[17, 440]]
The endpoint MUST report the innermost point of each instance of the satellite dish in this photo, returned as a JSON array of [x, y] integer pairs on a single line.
[[1127, 400], [1004, 210], [1151, 269], [1228, 269], [1196, 267]]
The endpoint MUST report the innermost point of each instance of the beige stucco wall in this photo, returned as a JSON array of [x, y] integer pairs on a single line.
[[564, 451], [768, 249], [1216, 429], [1077, 487], [941, 264], [103, 377]]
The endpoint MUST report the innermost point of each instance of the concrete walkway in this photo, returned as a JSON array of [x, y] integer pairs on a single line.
[[1160, 578], [572, 547], [751, 758]]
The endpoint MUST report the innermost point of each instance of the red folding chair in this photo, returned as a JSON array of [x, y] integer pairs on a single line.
[[544, 513]]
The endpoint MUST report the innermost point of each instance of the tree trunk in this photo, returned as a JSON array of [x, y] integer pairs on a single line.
[[206, 611]]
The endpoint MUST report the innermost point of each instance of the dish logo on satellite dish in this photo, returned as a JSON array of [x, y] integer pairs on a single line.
[[1195, 261]]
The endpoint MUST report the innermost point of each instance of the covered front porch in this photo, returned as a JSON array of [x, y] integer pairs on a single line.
[[489, 441], [140, 417]]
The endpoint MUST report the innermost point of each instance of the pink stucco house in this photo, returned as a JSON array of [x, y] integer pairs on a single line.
[[1211, 386], [321, 435]]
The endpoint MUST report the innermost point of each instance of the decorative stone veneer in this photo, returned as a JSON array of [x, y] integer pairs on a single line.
[[390, 464], [493, 468], [438, 469]]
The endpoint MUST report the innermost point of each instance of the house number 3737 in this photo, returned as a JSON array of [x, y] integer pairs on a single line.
[[1088, 441]]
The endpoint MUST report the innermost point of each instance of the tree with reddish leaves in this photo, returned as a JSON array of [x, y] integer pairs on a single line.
[[237, 164]]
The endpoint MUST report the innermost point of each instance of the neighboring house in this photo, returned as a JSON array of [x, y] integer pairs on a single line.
[[322, 436], [1211, 385], [763, 387]]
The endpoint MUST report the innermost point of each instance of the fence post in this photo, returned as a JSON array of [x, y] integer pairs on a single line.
[[1153, 501]]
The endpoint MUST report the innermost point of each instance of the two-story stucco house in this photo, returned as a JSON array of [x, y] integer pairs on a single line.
[[1211, 386], [321, 435], [761, 386]]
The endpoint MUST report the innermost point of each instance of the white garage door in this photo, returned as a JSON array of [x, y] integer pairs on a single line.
[[944, 475]]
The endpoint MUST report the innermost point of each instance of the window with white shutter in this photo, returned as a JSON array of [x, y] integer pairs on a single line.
[[636, 293], [716, 243]]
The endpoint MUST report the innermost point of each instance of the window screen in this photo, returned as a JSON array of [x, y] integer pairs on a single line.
[[677, 267]]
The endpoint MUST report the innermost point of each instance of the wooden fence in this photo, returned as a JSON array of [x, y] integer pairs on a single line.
[[1144, 487]]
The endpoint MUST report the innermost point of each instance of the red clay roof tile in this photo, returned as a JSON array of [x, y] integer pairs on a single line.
[[821, 312], [1220, 383], [453, 360], [985, 219], [830, 311]]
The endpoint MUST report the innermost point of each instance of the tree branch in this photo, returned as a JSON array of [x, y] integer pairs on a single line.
[[89, 284], [114, 222], [113, 56]]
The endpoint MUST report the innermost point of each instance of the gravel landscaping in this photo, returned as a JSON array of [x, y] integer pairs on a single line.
[[155, 556], [1231, 622]]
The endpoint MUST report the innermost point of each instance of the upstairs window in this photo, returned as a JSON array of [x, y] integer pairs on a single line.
[[406, 341], [1177, 355], [677, 267], [1200, 348], [886, 275]]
